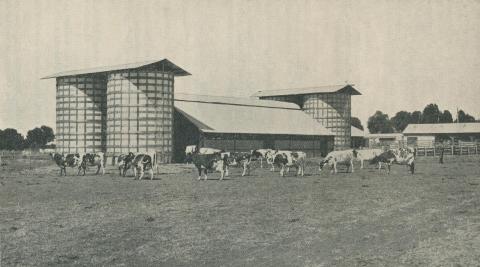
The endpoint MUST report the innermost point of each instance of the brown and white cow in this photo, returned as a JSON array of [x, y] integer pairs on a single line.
[[242, 160], [339, 157], [92, 159]]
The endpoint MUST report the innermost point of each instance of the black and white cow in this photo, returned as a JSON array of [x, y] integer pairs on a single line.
[[263, 154], [144, 162], [339, 157], [124, 163], [287, 159], [401, 156], [92, 159], [368, 155], [210, 162], [64, 161], [242, 160]]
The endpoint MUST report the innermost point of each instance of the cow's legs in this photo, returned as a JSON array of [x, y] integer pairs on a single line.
[[151, 173], [261, 163], [98, 169], [351, 163], [140, 172], [226, 170], [206, 171], [361, 164], [334, 167], [199, 173], [388, 164], [103, 168]]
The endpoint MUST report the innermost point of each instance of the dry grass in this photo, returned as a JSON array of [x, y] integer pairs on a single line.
[[361, 219]]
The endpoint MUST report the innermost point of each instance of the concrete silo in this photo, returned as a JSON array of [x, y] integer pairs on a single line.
[[117, 109], [330, 105]]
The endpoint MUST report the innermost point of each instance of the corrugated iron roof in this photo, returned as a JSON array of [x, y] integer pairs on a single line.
[[442, 128], [234, 101], [385, 135], [309, 90], [167, 63], [357, 132], [247, 119]]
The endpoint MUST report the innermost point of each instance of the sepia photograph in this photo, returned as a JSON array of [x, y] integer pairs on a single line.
[[239, 133]]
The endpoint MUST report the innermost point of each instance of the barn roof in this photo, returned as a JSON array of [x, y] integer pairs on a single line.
[[442, 128], [348, 88], [164, 63], [357, 132], [238, 115]]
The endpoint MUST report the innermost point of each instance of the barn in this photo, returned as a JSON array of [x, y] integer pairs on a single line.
[[430, 133], [244, 124], [134, 108]]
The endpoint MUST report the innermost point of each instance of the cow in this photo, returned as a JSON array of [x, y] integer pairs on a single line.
[[212, 162], [335, 157], [400, 156], [92, 159], [192, 149], [368, 155], [262, 154], [64, 161], [270, 157], [124, 162], [243, 160], [144, 162], [287, 159]]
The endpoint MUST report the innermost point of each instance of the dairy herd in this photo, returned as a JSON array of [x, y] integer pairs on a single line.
[[207, 160]]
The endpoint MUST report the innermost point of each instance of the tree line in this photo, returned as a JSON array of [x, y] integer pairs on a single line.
[[11, 139], [381, 123]]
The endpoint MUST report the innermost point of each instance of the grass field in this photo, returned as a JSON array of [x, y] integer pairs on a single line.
[[366, 218]]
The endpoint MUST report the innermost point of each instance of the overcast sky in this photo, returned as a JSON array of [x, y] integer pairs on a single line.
[[402, 55]]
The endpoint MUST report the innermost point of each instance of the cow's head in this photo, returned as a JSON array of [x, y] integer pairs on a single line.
[[323, 162], [355, 153]]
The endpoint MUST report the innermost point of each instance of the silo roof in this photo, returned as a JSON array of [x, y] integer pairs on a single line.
[[238, 115], [345, 88], [165, 62]]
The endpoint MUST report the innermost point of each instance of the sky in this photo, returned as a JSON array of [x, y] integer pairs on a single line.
[[400, 54]]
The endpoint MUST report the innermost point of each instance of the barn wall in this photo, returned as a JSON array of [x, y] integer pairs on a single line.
[[185, 134], [313, 146]]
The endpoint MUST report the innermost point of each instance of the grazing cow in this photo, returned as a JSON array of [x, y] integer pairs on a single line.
[[287, 159], [64, 161], [212, 162], [335, 157], [144, 162], [368, 154], [243, 160], [400, 156], [262, 154], [92, 159], [124, 162]]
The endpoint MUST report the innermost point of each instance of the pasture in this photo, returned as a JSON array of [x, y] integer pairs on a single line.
[[366, 218]]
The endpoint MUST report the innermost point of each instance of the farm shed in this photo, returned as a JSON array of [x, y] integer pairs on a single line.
[[358, 137], [329, 105], [428, 134], [244, 124], [117, 109], [385, 139]]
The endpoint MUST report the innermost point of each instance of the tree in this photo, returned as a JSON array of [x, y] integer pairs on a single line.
[[355, 122], [446, 117], [379, 123], [431, 114], [416, 117], [464, 117], [39, 137], [10, 139], [401, 120]]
